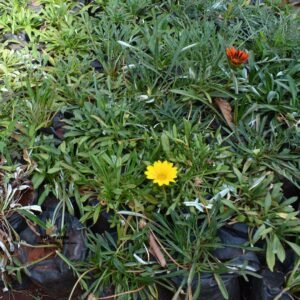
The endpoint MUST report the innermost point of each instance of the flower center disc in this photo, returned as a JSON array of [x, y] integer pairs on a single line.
[[161, 176]]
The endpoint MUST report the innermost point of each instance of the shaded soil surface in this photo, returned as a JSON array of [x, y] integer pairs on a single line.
[[31, 292]]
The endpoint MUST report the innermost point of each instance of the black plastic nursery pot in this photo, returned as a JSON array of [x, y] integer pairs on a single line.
[[47, 269], [209, 288], [163, 293], [16, 41], [270, 284], [291, 190], [57, 127], [233, 237], [266, 288], [102, 224]]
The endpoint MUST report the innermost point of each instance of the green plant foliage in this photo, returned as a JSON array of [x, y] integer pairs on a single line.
[[93, 92]]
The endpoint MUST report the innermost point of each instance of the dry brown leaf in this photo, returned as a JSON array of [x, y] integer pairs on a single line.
[[16, 136], [197, 181], [190, 293], [225, 109], [26, 156], [156, 250]]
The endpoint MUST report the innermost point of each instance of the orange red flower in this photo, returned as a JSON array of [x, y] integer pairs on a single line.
[[236, 57]]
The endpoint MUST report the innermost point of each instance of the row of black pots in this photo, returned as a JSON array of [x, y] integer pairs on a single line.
[[53, 271], [269, 286], [265, 287]]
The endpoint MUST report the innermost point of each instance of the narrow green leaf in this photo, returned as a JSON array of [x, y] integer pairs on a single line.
[[32, 217], [230, 204], [270, 255], [238, 174], [295, 247], [258, 233], [37, 179], [191, 274], [278, 248], [268, 203], [257, 182], [221, 286], [54, 170]]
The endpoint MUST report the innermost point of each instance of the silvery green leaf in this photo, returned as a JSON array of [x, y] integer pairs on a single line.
[[257, 182], [22, 187], [128, 67], [199, 206], [131, 213], [140, 260], [126, 45], [188, 47], [32, 207]]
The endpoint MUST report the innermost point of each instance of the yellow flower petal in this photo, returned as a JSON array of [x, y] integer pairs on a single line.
[[162, 173]]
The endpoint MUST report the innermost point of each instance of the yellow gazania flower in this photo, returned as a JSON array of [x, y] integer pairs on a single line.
[[161, 173]]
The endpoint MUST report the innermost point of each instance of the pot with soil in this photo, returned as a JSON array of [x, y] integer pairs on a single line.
[[42, 249], [208, 287], [271, 284], [233, 237], [268, 287]]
